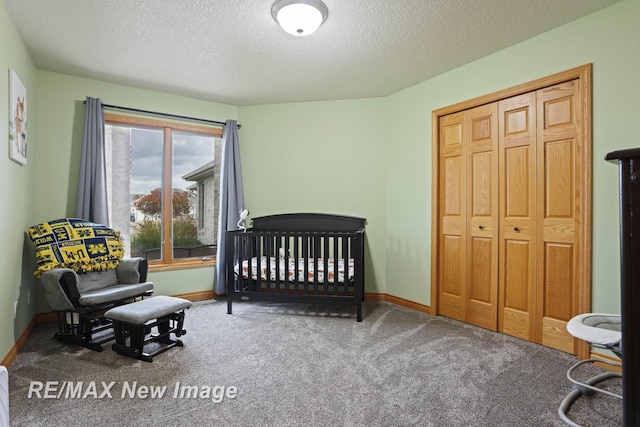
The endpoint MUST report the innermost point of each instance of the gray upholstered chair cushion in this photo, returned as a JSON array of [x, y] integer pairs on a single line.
[[95, 280], [128, 270], [113, 293]]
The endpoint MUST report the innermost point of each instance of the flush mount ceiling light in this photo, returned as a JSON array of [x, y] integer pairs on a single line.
[[299, 17]]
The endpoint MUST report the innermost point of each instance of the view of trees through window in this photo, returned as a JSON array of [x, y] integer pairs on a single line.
[[163, 189], [146, 239]]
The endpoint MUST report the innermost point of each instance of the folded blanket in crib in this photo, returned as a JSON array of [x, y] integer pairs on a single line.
[[77, 244], [287, 268]]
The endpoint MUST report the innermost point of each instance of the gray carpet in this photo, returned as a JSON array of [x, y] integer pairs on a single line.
[[303, 365]]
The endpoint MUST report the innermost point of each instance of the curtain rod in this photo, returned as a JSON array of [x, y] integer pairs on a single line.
[[175, 116]]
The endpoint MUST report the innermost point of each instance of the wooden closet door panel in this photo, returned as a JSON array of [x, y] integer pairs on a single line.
[[452, 241], [558, 210], [517, 183], [482, 211]]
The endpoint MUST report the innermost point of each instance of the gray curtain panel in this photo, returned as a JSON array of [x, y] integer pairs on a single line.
[[231, 198], [91, 203]]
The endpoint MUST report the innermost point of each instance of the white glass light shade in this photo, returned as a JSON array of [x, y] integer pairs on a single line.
[[301, 17]]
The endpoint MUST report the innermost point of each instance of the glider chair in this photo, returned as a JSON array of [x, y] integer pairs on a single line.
[[600, 331], [83, 275]]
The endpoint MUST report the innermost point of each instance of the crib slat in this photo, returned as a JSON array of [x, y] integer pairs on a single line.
[[267, 241], [305, 257], [317, 253], [273, 254], [296, 266], [313, 261], [336, 261], [325, 257], [286, 263], [346, 257], [258, 250], [317, 243]]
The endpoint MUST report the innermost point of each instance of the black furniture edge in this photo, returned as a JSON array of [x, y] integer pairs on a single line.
[[629, 176]]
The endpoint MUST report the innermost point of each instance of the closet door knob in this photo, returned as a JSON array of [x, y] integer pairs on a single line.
[[481, 227], [516, 229]]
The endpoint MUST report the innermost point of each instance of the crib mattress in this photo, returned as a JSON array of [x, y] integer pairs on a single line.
[[287, 269]]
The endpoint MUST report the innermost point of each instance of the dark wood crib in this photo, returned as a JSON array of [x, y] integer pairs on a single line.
[[298, 257]]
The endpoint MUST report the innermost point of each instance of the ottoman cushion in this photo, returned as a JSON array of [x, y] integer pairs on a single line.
[[148, 309]]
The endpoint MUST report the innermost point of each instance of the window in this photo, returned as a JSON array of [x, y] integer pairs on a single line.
[[163, 181]]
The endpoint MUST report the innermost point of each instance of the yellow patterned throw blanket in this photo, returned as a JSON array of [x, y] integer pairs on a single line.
[[77, 244]]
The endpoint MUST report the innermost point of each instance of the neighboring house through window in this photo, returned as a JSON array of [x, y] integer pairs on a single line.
[[207, 179], [163, 180]]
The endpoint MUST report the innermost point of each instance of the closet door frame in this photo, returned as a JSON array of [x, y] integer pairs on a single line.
[[583, 75]]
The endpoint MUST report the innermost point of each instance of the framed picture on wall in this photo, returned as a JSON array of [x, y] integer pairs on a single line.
[[17, 119]]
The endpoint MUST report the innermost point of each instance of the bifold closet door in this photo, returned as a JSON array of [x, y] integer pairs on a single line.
[[559, 210], [540, 207], [482, 213], [469, 190], [452, 242], [517, 187]]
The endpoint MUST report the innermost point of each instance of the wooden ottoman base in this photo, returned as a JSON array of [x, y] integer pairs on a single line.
[[133, 324]]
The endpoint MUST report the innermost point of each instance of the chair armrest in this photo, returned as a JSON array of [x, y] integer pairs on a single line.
[[54, 292], [69, 282], [132, 270]]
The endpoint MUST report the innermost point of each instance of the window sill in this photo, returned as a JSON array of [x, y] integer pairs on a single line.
[[181, 265]]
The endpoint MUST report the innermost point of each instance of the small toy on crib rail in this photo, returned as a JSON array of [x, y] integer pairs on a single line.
[[244, 213]]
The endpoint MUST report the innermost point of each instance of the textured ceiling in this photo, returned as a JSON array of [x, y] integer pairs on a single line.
[[232, 51]]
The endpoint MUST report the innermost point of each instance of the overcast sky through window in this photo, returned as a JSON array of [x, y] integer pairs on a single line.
[[190, 152]]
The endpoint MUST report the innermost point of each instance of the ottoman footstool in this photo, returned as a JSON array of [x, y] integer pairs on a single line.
[[132, 325]]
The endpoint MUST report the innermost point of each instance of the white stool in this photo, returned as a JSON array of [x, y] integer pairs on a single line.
[[4, 396], [600, 331]]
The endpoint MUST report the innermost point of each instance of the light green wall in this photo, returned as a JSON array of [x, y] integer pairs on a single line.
[[17, 186], [610, 39], [326, 157], [61, 111]]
